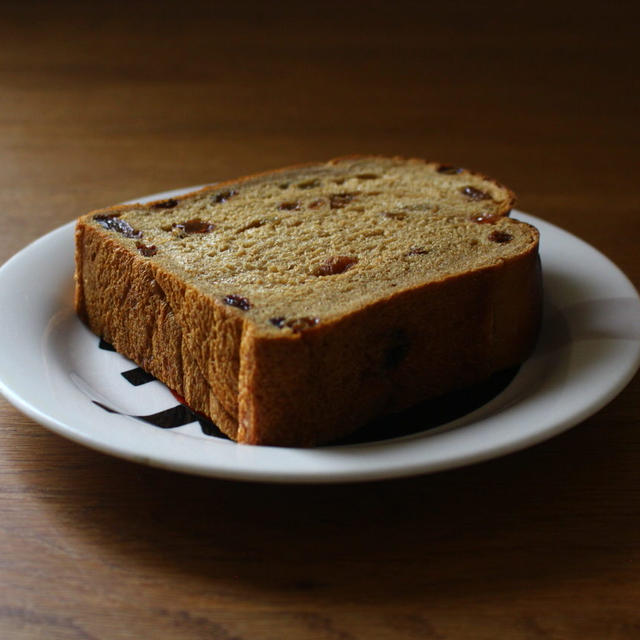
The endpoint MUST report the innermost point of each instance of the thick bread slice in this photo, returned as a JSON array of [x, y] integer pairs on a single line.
[[294, 306]]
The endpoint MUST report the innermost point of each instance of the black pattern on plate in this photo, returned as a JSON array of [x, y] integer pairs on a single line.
[[172, 418], [137, 376], [103, 344]]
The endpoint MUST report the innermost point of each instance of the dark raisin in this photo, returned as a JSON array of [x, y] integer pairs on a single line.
[[486, 218], [417, 251], [395, 215], [254, 224], [223, 196], [165, 204], [309, 184], [474, 194], [239, 302], [449, 169], [298, 325], [284, 185], [397, 349], [113, 223], [367, 176], [193, 226], [316, 204], [335, 265], [339, 181], [147, 250], [339, 200], [289, 206], [500, 236]]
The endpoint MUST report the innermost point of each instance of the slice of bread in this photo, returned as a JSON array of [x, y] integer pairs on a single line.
[[294, 306]]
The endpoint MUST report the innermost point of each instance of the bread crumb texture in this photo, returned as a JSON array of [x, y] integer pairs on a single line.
[[297, 247]]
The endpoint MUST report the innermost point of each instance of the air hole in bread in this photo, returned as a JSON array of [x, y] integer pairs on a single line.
[[419, 207], [289, 206], [395, 215], [339, 200], [309, 184], [417, 251], [254, 224], [335, 265], [500, 237]]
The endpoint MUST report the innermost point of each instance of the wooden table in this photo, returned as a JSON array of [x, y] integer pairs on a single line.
[[100, 104]]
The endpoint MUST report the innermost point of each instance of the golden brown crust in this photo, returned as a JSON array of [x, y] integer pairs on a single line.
[[301, 389]]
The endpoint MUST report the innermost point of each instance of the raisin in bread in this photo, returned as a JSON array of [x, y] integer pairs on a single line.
[[294, 306]]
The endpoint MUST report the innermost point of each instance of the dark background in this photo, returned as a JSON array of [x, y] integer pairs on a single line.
[[150, 96], [100, 103]]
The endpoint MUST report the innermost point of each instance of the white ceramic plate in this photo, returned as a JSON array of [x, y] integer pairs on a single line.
[[53, 369]]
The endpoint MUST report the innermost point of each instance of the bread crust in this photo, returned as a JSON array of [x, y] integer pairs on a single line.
[[509, 203], [303, 389]]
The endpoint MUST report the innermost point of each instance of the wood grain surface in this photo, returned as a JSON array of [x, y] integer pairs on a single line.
[[102, 102]]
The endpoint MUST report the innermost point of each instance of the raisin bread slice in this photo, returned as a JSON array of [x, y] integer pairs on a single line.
[[294, 306]]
